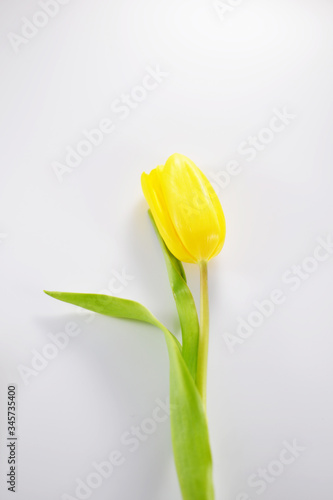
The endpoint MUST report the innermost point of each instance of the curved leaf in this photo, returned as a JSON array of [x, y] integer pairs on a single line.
[[110, 306], [186, 308], [189, 428], [106, 304]]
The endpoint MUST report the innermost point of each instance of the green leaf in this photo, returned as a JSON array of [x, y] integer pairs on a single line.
[[186, 308], [189, 428], [109, 306], [105, 304]]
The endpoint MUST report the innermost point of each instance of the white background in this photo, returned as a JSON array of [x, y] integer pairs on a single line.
[[226, 75]]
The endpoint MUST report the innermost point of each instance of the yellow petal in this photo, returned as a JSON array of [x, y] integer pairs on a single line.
[[154, 196], [220, 215], [191, 207]]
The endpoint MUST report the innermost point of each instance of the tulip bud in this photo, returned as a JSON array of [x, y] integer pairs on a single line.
[[186, 209]]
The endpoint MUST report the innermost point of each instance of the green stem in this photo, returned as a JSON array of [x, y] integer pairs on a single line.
[[204, 333]]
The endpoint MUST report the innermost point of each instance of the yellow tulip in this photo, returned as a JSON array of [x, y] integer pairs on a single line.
[[186, 209]]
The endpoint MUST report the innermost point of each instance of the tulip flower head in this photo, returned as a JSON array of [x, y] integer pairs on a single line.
[[186, 209]]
